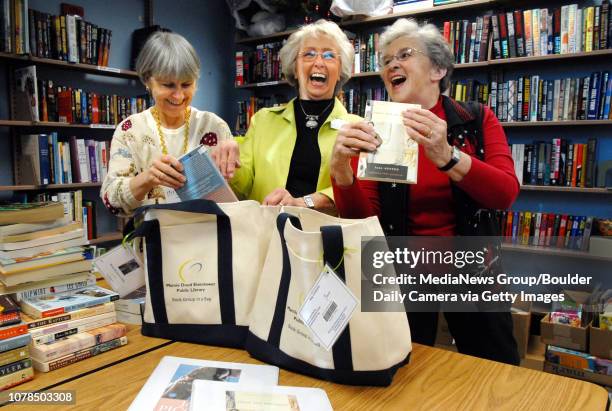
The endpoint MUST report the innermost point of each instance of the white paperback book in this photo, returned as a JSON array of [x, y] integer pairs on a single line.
[[396, 158], [169, 386], [219, 396]]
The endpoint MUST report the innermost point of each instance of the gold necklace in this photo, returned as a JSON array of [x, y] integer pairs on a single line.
[[161, 135]]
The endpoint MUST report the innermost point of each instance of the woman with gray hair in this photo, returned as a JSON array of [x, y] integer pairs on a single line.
[[284, 156], [464, 169], [143, 167]]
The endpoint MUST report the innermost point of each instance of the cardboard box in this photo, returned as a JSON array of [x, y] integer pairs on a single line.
[[521, 319], [600, 343], [579, 374], [561, 335]]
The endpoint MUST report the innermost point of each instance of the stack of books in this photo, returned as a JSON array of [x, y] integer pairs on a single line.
[[40, 247], [70, 326], [15, 362], [130, 308]]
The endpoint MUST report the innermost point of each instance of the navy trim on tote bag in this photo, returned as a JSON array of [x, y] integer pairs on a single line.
[[269, 351], [227, 334]]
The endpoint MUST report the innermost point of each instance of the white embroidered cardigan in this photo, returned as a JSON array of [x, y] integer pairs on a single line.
[[136, 145]]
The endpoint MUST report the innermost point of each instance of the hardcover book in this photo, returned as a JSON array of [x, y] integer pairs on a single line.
[[170, 384], [219, 396], [49, 305], [30, 212], [396, 159]]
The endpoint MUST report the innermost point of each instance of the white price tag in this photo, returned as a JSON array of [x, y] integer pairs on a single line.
[[109, 69], [328, 307], [122, 269]]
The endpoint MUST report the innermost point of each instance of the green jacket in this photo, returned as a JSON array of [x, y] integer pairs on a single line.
[[267, 147]]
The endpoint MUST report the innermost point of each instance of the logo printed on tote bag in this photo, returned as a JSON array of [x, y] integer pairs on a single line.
[[190, 267]]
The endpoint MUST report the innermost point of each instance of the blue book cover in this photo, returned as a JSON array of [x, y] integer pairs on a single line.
[[84, 111], [43, 157], [15, 342], [204, 180], [57, 160], [606, 111]]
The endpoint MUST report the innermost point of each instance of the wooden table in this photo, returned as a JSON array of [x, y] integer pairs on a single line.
[[434, 380], [137, 344]]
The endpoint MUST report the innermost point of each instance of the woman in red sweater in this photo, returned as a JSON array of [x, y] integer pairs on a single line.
[[458, 172]]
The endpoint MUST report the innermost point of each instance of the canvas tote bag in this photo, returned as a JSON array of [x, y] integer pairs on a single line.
[[202, 265], [373, 345]]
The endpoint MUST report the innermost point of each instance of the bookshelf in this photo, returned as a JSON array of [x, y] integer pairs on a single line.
[[106, 238], [590, 201], [560, 252], [87, 68], [32, 187], [53, 124]]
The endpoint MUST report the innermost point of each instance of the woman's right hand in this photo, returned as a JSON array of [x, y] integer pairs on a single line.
[[352, 139], [165, 171], [226, 156]]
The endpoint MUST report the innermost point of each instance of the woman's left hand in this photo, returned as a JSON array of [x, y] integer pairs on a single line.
[[429, 131], [281, 196]]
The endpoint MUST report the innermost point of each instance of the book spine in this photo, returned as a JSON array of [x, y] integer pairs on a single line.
[[62, 330], [16, 378], [73, 307], [10, 332], [20, 341], [14, 355], [15, 367], [80, 355], [77, 342]]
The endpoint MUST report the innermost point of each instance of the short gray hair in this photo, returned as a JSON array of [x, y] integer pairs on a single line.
[[436, 47], [167, 55], [289, 51]]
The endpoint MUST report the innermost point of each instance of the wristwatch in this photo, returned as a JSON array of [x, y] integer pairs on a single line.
[[309, 201], [455, 156]]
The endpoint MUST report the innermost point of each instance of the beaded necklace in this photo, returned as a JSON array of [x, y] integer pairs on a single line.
[[155, 113]]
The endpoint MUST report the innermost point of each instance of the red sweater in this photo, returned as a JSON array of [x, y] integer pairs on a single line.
[[492, 183]]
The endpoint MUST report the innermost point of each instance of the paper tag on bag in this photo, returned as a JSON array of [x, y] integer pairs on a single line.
[[328, 307], [122, 269]]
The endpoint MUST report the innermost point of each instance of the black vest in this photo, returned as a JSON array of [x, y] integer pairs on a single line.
[[464, 122]]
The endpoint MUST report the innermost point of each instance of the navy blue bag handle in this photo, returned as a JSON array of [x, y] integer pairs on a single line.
[[333, 254], [151, 231], [283, 289]]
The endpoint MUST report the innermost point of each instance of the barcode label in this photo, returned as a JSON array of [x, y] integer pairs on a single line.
[[330, 311]]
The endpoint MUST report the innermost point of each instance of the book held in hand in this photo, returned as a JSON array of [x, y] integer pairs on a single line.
[[256, 397], [396, 159], [204, 180], [169, 386]]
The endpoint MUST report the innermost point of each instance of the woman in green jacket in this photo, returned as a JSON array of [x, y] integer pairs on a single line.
[[284, 156]]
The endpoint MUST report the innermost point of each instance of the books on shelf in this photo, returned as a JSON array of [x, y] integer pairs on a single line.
[[545, 229], [170, 384], [50, 305], [15, 364], [222, 396], [355, 99], [58, 331], [558, 163], [533, 98], [260, 65]]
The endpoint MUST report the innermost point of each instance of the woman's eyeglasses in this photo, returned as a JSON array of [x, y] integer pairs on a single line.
[[311, 55], [401, 55]]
